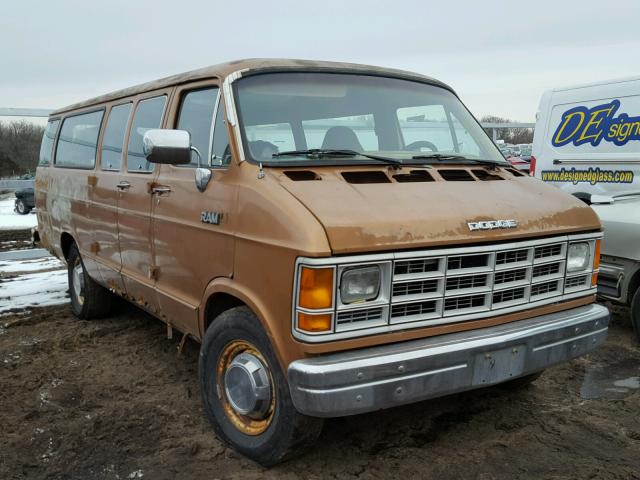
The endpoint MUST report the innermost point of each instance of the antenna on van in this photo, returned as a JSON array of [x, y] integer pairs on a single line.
[[260, 172]]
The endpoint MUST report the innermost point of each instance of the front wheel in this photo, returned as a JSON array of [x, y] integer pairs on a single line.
[[21, 207], [245, 394], [88, 299]]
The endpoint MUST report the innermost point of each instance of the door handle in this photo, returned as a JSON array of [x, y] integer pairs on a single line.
[[123, 185], [160, 189]]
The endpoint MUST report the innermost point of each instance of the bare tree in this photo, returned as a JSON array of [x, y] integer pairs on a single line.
[[19, 147], [509, 135]]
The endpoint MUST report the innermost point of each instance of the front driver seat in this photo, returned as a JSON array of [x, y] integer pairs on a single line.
[[341, 138]]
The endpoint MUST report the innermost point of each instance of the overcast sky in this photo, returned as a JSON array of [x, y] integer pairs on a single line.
[[498, 56]]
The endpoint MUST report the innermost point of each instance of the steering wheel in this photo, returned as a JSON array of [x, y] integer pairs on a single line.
[[416, 146]]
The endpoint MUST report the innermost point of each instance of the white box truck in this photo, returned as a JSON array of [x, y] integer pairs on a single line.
[[587, 142]]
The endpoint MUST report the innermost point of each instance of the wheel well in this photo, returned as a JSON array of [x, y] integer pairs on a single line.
[[66, 241], [218, 303], [585, 197], [634, 283]]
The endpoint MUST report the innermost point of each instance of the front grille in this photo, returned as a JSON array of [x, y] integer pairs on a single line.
[[413, 309], [512, 256], [548, 251], [469, 281], [447, 285], [415, 288], [544, 288], [353, 317], [416, 266], [463, 262], [476, 282], [509, 295], [509, 276], [464, 303], [576, 282], [546, 269]]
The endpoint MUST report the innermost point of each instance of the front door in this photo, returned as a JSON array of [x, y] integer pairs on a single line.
[[134, 205], [189, 253]]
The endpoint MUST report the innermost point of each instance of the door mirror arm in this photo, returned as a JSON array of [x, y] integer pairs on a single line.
[[203, 175]]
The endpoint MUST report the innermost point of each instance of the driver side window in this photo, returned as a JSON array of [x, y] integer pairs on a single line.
[[425, 128]]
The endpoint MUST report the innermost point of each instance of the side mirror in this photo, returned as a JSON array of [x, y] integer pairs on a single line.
[[167, 146]]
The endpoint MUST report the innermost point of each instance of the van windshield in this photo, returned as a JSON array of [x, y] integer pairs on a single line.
[[327, 118]]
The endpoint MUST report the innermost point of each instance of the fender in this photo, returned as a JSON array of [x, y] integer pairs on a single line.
[[252, 300]]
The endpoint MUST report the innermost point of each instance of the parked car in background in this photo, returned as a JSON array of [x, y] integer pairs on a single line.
[[587, 143], [506, 151], [25, 201], [619, 278], [525, 151]]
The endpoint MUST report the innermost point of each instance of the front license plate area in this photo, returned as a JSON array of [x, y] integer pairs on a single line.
[[499, 365]]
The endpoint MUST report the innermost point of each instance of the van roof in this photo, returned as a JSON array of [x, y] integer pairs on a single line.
[[253, 65], [596, 84]]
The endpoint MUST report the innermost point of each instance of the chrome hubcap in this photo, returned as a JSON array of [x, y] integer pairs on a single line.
[[248, 386], [77, 282]]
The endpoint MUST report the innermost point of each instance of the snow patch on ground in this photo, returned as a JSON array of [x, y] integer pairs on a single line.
[[10, 220], [31, 265], [33, 290]]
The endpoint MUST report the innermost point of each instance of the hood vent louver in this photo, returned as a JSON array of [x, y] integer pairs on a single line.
[[486, 176], [372, 176], [414, 176], [515, 173], [302, 175], [455, 175]]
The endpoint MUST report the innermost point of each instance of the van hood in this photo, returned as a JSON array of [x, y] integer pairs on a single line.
[[360, 217]]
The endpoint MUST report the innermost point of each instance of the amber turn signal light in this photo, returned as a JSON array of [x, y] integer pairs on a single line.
[[594, 279], [316, 288], [314, 323], [596, 256]]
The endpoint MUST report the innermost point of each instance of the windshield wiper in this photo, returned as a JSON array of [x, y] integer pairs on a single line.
[[443, 158], [324, 152]]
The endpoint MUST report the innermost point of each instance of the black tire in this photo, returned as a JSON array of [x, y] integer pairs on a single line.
[[21, 207], [520, 382], [288, 432], [635, 313], [93, 300]]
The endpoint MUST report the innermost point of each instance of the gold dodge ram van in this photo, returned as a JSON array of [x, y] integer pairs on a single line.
[[340, 238]]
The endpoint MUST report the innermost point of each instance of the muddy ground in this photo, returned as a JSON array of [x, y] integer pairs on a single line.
[[14, 239], [112, 399]]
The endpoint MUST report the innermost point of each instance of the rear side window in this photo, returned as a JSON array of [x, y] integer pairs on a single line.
[[78, 140], [113, 140], [46, 147], [196, 117], [148, 115]]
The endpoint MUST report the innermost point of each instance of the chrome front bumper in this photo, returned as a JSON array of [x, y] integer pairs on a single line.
[[374, 378]]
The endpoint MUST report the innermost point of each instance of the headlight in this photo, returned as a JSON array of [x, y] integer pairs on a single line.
[[360, 284], [578, 257]]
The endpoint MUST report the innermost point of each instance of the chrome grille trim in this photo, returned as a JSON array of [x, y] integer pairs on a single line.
[[449, 285]]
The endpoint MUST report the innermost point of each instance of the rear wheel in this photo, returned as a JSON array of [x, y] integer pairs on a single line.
[[88, 299], [21, 207], [635, 313], [245, 394]]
